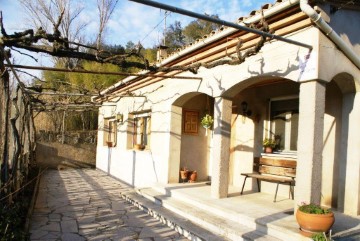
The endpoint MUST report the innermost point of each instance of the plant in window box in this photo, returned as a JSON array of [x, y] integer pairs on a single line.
[[269, 144], [314, 219]]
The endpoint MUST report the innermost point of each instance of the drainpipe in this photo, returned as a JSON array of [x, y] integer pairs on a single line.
[[314, 16]]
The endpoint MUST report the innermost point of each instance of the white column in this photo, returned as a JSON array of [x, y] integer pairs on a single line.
[[175, 144], [349, 164], [221, 151], [310, 142]]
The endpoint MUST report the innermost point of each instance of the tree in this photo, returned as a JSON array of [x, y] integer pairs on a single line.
[[59, 15], [174, 37], [150, 54], [198, 28], [105, 8], [129, 46]]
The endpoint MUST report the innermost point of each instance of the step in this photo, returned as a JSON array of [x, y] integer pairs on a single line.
[[216, 224], [182, 225], [261, 225]]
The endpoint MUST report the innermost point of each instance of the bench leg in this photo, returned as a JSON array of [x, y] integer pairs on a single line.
[[257, 181], [277, 187], [291, 190], [242, 189]]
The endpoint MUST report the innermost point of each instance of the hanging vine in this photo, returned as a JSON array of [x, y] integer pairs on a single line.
[[61, 47]]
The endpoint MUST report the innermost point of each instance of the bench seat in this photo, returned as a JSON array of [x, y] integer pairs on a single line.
[[270, 178], [273, 170]]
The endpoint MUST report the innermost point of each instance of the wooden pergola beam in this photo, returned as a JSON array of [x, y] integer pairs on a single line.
[[16, 66]]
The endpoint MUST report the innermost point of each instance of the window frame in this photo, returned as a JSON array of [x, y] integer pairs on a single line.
[[146, 138], [270, 133], [110, 132]]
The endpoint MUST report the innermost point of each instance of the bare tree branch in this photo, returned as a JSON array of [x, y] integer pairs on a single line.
[[105, 8]]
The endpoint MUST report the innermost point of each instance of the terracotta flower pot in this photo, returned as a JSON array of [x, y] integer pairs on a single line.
[[192, 176], [139, 147], [268, 149], [184, 175], [314, 223]]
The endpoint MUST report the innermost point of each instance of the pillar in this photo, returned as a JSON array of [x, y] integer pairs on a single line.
[[175, 144], [349, 164], [221, 150], [310, 142]]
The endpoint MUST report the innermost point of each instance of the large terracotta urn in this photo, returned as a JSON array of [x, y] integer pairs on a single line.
[[314, 223]]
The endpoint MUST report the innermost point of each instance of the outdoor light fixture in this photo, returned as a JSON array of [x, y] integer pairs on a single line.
[[244, 108], [245, 111], [119, 118]]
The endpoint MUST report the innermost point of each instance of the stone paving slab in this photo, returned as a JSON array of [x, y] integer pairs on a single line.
[[86, 204]]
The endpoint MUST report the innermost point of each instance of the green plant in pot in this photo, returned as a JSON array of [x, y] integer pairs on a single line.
[[207, 122], [314, 219], [269, 144]]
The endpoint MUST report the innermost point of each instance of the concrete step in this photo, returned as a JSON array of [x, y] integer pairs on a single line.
[[261, 226], [213, 223], [181, 224]]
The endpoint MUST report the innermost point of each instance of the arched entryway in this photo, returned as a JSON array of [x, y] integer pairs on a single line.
[[191, 147], [341, 165], [271, 109]]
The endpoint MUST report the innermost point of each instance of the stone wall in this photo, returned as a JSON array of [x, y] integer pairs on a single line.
[[73, 149], [69, 137]]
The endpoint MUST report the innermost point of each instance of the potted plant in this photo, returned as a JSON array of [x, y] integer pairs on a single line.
[[269, 144], [207, 122], [314, 219], [184, 174], [192, 176], [139, 147]]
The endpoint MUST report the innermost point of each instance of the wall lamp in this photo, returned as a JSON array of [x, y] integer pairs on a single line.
[[119, 118], [245, 110]]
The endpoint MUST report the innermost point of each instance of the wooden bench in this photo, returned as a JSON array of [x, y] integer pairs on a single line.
[[273, 170]]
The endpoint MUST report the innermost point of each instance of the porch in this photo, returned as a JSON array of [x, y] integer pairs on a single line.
[[251, 216]]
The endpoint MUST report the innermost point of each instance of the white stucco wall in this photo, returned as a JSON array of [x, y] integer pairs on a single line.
[[276, 60], [161, 95]]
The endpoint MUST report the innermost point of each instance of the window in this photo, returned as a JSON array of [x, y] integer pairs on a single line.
[[284, 120], [110, 129], [191, 121], [142, 130]]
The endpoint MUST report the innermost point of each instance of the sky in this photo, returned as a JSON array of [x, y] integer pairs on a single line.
[[133, 21]]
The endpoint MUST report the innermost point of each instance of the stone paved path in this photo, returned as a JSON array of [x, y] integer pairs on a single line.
[[85, 204]]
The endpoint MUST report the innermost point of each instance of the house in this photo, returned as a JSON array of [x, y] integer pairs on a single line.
[[149, 126]]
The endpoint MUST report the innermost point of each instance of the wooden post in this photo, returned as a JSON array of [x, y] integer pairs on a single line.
[[4, 118]]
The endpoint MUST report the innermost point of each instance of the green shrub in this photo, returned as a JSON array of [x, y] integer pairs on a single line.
[[313, 209], [319, 237]]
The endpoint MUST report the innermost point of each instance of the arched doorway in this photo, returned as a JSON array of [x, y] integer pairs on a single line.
[[191, 148], [272, 106], [341, 165]]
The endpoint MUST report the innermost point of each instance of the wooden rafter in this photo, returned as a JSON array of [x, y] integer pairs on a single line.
[[96, 72]]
